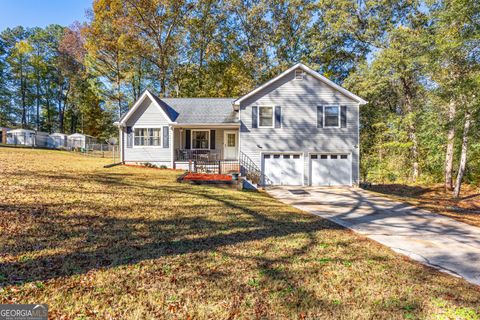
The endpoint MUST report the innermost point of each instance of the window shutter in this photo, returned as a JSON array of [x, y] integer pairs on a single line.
[[278, 117], [129, 137], [319, 116], [343, 116], [188, 139], [166, 136], [254, 117], [212, 139]]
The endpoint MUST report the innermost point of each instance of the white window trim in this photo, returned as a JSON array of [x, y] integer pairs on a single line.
[[339, 112], [273, 117], [147, 127], [191, 139]]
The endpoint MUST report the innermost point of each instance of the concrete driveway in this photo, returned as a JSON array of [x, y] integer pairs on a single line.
[[435, 240]]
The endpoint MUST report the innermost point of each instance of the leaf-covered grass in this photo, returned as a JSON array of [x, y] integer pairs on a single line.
[[434, 198], [130, 243]]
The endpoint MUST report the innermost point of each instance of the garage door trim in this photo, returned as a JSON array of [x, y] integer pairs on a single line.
[[350, 156], [302, 158]]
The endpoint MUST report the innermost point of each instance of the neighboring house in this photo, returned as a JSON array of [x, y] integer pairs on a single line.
[[297, 129], [57, 140], [27, 137], [79, 140]]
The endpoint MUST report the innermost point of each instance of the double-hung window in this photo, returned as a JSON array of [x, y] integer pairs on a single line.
[[331, 116], [265, 117], [148, 137], [200, 139]]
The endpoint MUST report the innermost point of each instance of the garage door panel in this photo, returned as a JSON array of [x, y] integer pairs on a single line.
[[283, 169], [275, 176], [330, 170], [319, 172], [339, 172]]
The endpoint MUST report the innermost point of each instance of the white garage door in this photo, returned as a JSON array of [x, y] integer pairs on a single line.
[[283, 169], [330, 169]]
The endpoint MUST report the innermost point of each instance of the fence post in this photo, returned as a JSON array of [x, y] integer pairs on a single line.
[[219, 167]]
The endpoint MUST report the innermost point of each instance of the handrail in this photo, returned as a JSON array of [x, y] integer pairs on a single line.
[[251, 171], [202, 161]]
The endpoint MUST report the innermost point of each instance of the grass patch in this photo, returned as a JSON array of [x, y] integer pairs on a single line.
[[128, 242]]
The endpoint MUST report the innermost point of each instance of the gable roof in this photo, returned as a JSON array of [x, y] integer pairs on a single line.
[[202, 110], [309, 71], [189, 110], [155, 100]]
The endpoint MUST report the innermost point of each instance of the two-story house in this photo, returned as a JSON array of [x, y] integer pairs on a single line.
[[297, 129]]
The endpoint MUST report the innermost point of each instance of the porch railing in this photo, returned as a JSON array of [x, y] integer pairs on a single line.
[[198, 155], [216, 166]]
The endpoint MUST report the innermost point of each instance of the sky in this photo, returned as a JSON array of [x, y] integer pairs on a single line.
[[40, 13]]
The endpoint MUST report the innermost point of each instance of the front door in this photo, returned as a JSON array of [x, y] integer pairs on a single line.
[[230, 145]]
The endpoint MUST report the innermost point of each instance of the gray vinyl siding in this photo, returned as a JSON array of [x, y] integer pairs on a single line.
[[299, 133], [148, 115]]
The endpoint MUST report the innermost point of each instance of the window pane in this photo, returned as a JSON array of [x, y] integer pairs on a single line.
[[266, 116], [154, 136], [147, 136], [331, 116], [140, 136], [231, 140], [200, 139]]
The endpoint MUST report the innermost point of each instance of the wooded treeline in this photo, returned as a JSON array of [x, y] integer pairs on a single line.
[[417, 63]]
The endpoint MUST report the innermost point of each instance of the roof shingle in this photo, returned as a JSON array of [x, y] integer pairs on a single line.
[[200, 110]]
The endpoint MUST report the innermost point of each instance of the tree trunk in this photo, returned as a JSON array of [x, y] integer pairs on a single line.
[[450, 144], [413, 136], [49, 116], [61, 124], [23, 87], [119, 90], [38, 102], [463, 156]]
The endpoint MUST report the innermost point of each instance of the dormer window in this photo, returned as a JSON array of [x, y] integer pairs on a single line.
[[299, 74]]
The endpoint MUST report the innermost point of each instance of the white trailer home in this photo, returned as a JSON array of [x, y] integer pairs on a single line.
[[27, 137], [41, 139], [57, 140], [78, 140]]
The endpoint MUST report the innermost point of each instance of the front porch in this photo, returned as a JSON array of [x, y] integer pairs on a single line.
[[206, 149]]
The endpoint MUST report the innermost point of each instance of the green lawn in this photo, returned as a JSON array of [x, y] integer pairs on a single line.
[[132, 243]]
